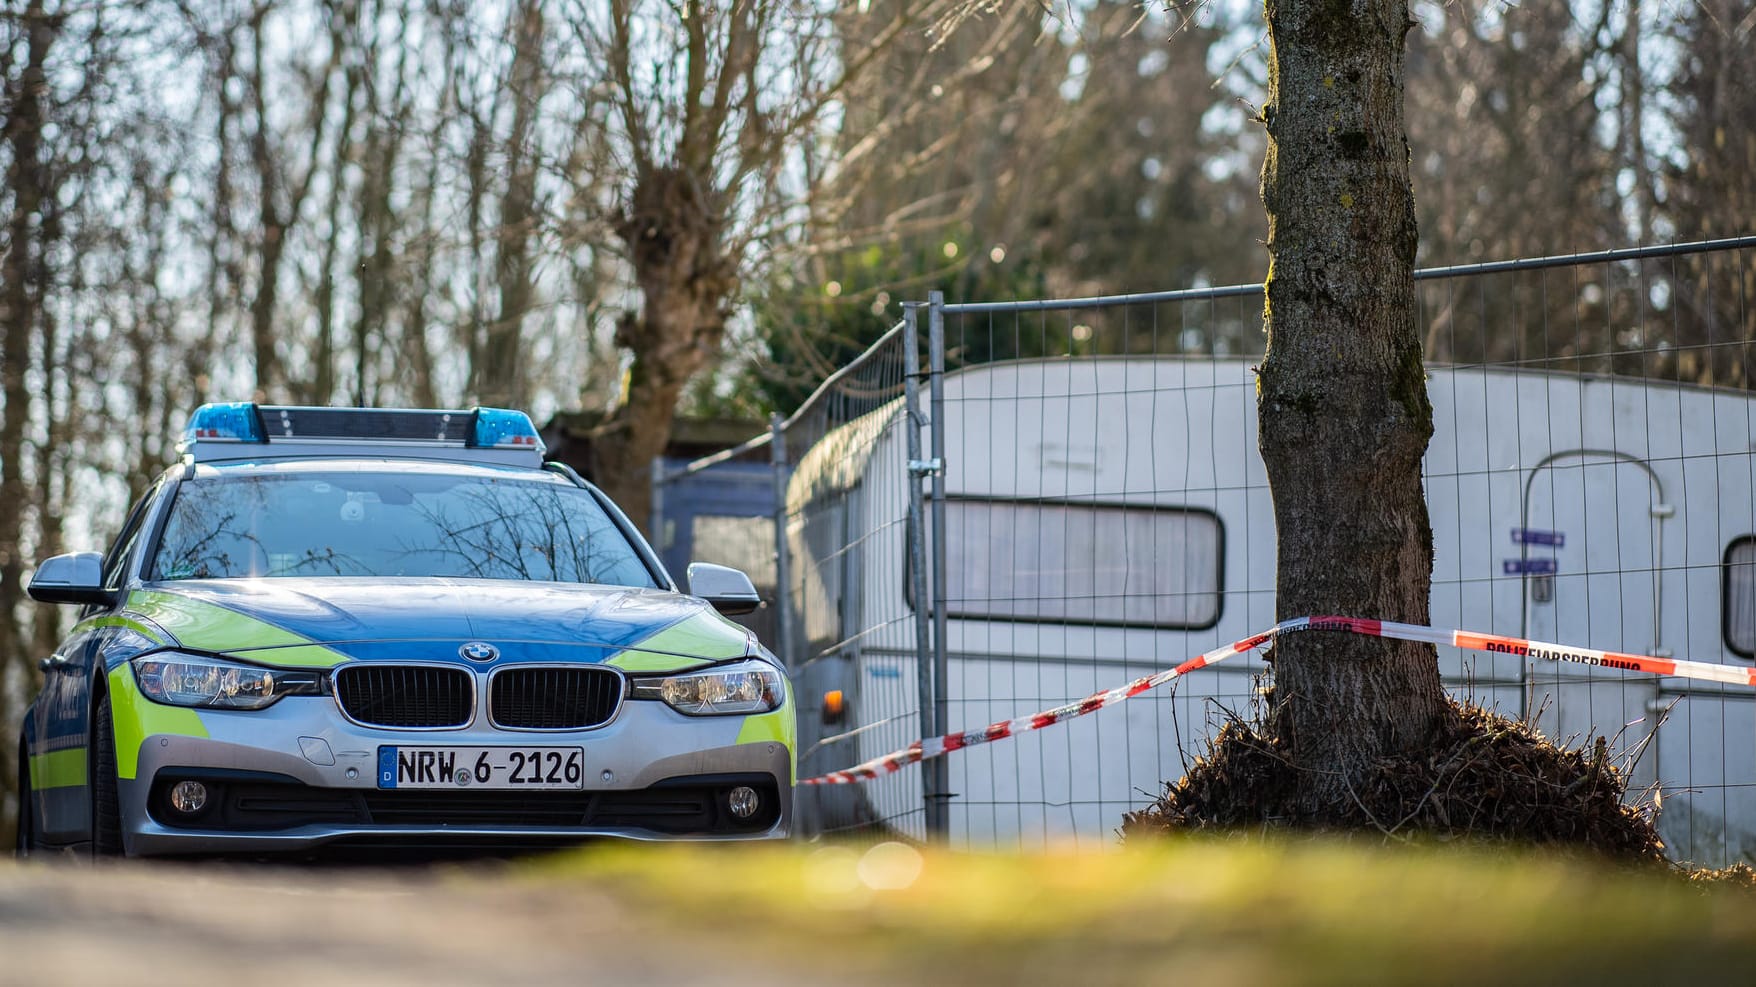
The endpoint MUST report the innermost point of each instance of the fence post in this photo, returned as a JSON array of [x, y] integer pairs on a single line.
[[917, 555], [941, 768], [783, 584]]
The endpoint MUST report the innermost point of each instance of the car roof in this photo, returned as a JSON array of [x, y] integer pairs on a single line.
[[324, 464]]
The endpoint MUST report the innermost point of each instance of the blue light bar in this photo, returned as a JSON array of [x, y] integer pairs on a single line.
[[253, 433], [498, 428], [235, 422]]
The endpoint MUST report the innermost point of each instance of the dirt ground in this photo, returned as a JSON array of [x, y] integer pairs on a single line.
[[71, 923], [1300, 913]]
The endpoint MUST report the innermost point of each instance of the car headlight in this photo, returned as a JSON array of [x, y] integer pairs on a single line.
[[178, 679], [746, 687]]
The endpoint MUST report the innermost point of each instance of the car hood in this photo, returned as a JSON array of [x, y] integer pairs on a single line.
[[326, 621]]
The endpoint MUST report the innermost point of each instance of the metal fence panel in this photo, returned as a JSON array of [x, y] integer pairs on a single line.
[[1109, 518], [847, 510], [1599, 401], [1096, 510], [842, 500]]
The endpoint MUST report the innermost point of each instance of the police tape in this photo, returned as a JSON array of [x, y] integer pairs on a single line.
[[933, 747], [922, 750]]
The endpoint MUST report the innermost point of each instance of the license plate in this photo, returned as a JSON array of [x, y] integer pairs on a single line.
[[526, 768]]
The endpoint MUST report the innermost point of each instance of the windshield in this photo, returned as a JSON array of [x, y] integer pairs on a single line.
[[393, 524]]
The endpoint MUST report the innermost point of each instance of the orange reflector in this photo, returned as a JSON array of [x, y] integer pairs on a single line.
[[832, 703]]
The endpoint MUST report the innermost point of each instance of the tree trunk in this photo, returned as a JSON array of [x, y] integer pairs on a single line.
[[672, 228], [272, 230], [376, 277], [223, 275], [25, 106], [501, 373], [276, 219], [476, 181], [417, 358], [321, 387], [53, 359], [1342, 395], [20, 302]]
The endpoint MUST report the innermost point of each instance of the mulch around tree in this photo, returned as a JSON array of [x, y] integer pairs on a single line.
[[1491, 779]]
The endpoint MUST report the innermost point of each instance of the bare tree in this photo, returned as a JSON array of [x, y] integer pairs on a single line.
[[500, 377], [28, 186], [320, 386], [1712, 186], [417, 357], [380, 222], [711, 104], [280, 194], [224, 274], [1480, 105]]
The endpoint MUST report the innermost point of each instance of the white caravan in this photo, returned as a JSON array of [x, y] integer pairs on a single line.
[[1110, 517]]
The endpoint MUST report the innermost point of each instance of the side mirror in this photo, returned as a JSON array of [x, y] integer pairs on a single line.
[[729, 590], [77, 577]]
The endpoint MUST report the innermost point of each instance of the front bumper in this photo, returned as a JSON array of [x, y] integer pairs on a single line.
[[299, 776]]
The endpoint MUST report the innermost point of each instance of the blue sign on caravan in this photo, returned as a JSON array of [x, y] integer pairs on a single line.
[[1537, 536], [1528, 567]]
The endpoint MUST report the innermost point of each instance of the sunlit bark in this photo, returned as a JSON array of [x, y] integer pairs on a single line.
[[1342, 401]]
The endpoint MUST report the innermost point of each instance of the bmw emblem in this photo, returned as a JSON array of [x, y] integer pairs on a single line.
[[479, 651]]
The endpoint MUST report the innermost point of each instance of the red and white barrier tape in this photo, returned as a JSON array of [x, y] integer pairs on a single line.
[[933, 747]]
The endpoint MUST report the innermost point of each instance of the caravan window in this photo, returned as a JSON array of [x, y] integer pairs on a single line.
[[1083, 563], [1738, 602]]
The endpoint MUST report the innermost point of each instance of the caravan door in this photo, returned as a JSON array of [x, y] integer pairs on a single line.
[[1604, 593]]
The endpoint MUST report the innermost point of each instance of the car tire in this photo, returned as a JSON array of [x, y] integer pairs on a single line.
[[106, 808], [27, 823]]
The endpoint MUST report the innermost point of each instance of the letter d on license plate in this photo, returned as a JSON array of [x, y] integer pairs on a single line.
[[526, 768]]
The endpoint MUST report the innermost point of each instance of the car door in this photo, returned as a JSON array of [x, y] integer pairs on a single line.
[[63, 754], [65, 707]]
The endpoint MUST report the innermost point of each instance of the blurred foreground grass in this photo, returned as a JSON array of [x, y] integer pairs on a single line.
[[1182, 912]]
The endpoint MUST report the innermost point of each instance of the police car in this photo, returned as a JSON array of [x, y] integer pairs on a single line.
[[375, 628]]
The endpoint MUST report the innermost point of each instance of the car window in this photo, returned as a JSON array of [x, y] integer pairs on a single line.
[[122, 549], [393, 524]]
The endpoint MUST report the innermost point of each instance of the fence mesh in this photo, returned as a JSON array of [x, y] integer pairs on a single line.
[[1106, 515], [846, 515], [1607, 402]]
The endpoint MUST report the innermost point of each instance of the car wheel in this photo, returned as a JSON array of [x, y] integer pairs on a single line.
[[27, 823], [106, 808]]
